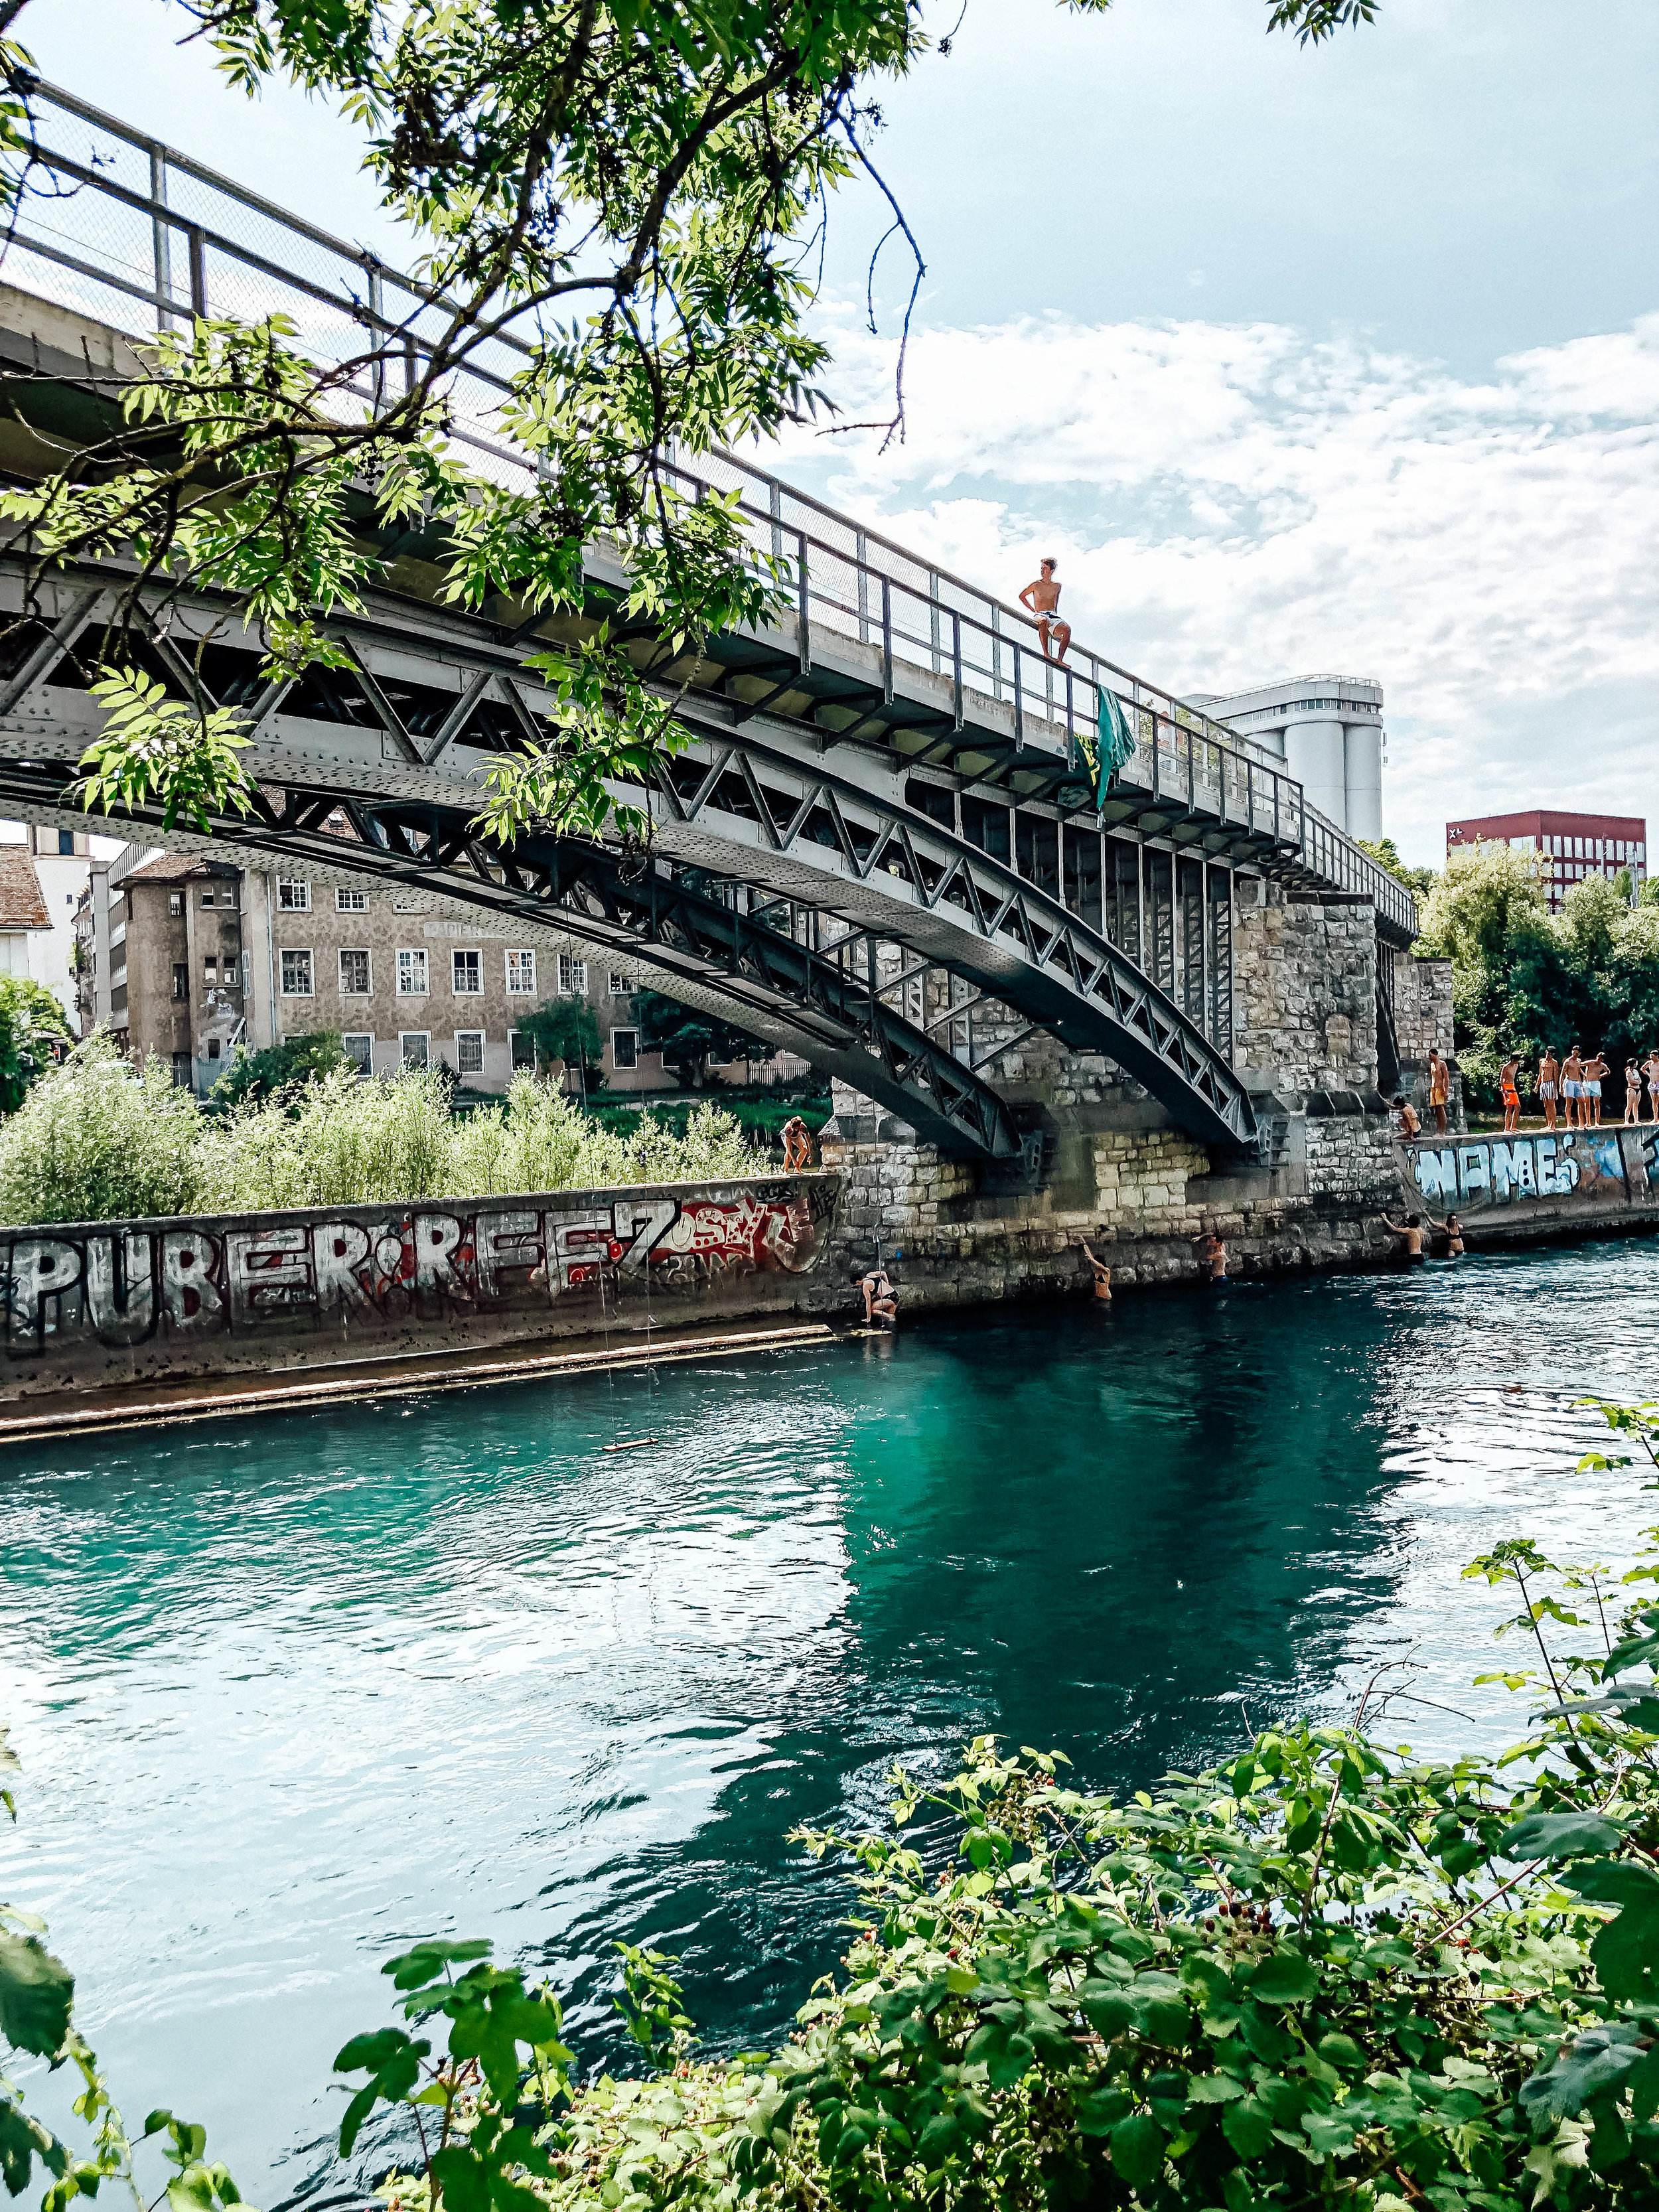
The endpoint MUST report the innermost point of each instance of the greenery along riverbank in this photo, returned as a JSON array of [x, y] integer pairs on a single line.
[[1325, 1972], [97, 1140]]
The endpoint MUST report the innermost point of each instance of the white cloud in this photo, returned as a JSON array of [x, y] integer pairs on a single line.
[[1232, 503]]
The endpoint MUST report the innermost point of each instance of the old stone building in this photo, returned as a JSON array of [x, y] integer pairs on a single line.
[[187, 960]]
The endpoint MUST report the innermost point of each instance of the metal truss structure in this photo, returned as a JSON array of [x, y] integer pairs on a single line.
[[879, 841]]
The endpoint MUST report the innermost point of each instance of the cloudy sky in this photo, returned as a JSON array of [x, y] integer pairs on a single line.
[[1301, 362]]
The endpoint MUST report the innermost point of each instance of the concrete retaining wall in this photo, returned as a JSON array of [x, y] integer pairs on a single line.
[[88, 1304]]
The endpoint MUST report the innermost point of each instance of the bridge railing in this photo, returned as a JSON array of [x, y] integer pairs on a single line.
[[127, 218]]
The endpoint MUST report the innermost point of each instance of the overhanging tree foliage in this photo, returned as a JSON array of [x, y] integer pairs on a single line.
[[638, 191]]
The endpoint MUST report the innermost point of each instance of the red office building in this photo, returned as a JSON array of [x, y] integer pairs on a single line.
[[1571, 845]]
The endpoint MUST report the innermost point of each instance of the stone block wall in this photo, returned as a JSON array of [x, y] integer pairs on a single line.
[[1304, 990]]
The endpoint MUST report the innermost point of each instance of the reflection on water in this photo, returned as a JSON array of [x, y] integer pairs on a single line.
[[291, 1693]]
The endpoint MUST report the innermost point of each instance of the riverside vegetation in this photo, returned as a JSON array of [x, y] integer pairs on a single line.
[[96, 1139], [1326, 1971]]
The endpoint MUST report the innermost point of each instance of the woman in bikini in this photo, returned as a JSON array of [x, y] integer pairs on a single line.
[[1633, 1094], [1454, 1238]]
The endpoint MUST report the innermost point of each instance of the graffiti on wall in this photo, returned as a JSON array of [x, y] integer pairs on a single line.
[[1592, 1167], [120, 1285]]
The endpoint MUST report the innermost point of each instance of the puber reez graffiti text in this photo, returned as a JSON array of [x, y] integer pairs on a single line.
[[124, 1284]]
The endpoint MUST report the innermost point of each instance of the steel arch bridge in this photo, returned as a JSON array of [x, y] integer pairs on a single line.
[[881, 836]]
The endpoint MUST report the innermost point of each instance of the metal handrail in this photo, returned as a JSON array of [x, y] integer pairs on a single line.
[[870, 588]]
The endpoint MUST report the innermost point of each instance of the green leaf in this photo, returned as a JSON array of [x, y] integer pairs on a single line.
[[1596, 2060], [37, 1996], [1285, 1977], [1341, 2051], [1214, 2089], [416, 1969], [1559, 1836], [1099, 2108], [23, 2139], [459, 2175], [1246, 2127], [1138, 2150]]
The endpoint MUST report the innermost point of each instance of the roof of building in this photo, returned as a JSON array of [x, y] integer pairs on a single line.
[[22, 904], [180, 867]]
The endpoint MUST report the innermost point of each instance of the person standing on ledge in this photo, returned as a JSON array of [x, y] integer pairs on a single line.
[[1549, 1077], [1509, 1078], [1041, 599], [1439, 1090], [1633, 1094], [796, 1144], [1595, 1067], [1572, 1085]]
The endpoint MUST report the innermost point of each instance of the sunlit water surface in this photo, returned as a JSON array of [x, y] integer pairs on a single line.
[[289, 1693]]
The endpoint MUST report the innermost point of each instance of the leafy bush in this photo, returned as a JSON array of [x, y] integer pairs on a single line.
[[97, 1140], [1325, 1972], [34, 1033], [261, 1075]]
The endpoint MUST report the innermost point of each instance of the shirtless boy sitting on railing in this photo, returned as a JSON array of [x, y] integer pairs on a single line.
[[1041, 599]]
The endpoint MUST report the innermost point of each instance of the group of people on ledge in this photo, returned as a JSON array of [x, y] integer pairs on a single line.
[[1569, 1091]]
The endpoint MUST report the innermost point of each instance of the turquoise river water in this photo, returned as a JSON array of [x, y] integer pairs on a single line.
[[290, 1693]]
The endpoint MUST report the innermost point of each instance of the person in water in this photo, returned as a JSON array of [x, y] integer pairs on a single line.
[[1509, 1079], [1409, 1124], [1413, 1232], [1213, 1258], [1454, 1238], [1102, 1275], [880, 1298], [1549, 1080], [1439, 1090], [1041, 599]]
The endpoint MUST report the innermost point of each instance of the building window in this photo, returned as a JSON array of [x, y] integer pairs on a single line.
[[621, 987], [207, 898], [350, 902], [181, 981], [624, 1047], [212, 1048], [414, 1049], [467, 971], [292, 897], [211, 971], [469, 1052], [522, 975], [411, 973], [181, 1071], [355, 973], [66, 841], [359, 1049], [573, 977], [296, 975], [175, 903], [248, 975], [524, 1051]]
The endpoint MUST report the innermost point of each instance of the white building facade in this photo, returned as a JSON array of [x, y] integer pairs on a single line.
[[1327, 730]]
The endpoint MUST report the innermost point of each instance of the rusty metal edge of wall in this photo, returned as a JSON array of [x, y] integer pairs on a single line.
[[352, 1389]]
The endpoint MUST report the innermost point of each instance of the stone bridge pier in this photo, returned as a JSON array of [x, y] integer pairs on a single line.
[[1323, 1009]]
